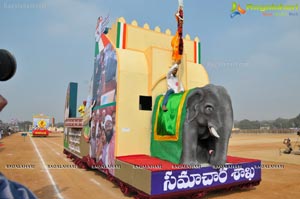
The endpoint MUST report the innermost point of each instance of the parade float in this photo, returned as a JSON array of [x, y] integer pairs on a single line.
[[124, 133], [40, 124]]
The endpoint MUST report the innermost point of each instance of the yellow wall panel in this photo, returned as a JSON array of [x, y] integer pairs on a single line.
[[142, 68]]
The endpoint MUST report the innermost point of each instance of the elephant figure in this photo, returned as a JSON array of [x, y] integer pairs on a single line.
[[207, 126]]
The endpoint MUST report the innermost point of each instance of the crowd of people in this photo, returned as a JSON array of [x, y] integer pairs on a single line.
[[5, 131], [102, 136]]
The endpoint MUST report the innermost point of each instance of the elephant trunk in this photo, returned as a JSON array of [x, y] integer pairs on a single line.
[[225, 122], [219, 156]]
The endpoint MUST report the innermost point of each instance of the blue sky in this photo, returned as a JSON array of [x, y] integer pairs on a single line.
[[256, 58]]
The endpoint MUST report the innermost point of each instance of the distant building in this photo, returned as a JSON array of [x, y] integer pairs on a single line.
[[265, 128]]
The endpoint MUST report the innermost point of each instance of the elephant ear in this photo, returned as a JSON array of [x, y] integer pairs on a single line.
[[193, 104]]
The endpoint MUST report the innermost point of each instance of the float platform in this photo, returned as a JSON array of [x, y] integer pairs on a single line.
[[151, 177]]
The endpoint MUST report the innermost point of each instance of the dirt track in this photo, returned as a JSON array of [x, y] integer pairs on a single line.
[[72, 183], [276, 183]]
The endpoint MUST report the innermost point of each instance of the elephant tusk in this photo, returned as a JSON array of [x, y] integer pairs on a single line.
[[213, 132]]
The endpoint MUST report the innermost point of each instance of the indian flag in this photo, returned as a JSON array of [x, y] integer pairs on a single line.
[[101, 44], [121, 35], [197, 52]]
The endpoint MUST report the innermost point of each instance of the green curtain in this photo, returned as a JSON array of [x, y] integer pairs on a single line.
[[166, 136]]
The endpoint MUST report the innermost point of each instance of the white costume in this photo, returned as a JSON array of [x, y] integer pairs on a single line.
[[173, 82]]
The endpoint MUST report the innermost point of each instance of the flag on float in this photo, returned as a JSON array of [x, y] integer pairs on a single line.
[[121, 35], [101, 39], [197, 52], [99, 46]]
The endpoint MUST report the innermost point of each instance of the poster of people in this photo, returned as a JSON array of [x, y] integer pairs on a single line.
[[102, 136], [102, 121]]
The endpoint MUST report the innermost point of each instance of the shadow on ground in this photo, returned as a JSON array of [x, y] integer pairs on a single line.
[[47, 137], [227, 192]]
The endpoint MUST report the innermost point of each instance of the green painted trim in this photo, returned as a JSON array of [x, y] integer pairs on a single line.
[[118, 34], [154, 115], [96, 48], [105, 105], [199, 53]]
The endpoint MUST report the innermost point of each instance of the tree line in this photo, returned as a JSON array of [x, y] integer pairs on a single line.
[[22, 126], [279, 123]]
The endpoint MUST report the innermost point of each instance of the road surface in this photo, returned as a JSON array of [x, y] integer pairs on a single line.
[[39, 163]]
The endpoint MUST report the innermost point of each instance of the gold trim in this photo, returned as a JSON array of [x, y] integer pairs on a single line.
[[156, 137], [180, 111]]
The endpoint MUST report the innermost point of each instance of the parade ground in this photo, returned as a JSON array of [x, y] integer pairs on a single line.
[[39, 164]]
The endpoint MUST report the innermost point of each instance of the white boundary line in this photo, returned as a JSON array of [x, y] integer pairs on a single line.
[[95, 182], [57, 153], [47, 170]]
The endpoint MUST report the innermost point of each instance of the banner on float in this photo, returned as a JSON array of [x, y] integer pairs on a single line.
[[201, 178]]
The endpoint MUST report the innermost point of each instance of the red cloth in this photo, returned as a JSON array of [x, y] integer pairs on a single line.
[[153, 164]]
